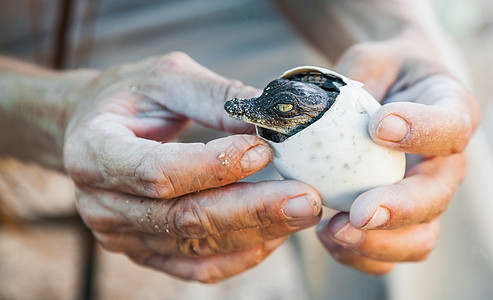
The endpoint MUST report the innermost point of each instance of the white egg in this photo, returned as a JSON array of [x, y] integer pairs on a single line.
[[335, 155]]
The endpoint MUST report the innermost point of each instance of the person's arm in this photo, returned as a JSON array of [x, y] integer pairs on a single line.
[[35, 107], [397, 49]]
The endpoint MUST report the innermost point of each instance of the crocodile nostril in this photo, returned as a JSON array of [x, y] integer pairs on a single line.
[[231, 107]]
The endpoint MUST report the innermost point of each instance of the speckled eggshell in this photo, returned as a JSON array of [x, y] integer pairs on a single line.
[[336, 155]]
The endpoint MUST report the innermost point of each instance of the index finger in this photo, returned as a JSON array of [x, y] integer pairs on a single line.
[[236, 207], [189, 89], [439, 118]]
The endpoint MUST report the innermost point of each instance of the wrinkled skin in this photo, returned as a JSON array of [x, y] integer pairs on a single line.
[[171, 206]]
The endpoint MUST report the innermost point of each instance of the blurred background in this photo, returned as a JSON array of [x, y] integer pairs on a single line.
[[46, 252]]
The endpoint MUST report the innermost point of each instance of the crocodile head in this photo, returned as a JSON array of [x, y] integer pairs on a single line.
[[284, 108]]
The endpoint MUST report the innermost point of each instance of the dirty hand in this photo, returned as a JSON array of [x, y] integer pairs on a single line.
[[172, 206], [426, 112]]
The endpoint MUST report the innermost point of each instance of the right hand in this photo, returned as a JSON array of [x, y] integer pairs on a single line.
[[437, 117], [171, 206]]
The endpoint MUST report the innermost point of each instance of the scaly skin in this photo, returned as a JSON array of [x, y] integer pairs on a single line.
[[285, 106]]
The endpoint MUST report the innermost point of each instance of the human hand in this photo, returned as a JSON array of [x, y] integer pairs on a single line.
[[171, 206], [426, 112]]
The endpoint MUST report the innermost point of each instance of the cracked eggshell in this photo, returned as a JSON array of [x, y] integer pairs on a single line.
[[335, 155]]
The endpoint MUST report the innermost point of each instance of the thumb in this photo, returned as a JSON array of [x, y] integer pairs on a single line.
[[187, 88]]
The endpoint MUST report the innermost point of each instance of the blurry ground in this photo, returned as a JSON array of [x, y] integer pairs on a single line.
[[40, 260]]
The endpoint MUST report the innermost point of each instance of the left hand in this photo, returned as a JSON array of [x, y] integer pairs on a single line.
[[427, 112], [177, 207]]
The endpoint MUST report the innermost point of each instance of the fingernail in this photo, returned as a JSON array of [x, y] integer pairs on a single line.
[[379, 218], [256, 158], [301, 207], [349, 235], [392, 128]]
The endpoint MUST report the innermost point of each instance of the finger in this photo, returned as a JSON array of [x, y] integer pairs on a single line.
[[347, 257], [355, 261], [114, 159], [420, 197], [359, 263], [189, 89], [211, 269], [405, 244], [165, 244], [440, 123], [362, 264], [212, 212]]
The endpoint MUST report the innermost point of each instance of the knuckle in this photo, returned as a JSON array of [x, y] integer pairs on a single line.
[[178, 57], [260, 213], [174, 62], [200, 247], [459, 133], [106, 242], [154, 181], [156, 185], [187, 220], [232, 89], [93, 214]]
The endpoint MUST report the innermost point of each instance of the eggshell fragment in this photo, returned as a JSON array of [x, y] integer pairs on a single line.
[[335, 154]]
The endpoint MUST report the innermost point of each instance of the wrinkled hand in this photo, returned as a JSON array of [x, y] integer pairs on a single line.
[[177, 207], [427, 112]]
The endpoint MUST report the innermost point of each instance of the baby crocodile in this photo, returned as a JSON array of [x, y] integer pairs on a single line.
[[287, 105]]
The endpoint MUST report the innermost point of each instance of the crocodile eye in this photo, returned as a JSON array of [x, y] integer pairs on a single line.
[[284, 107]]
